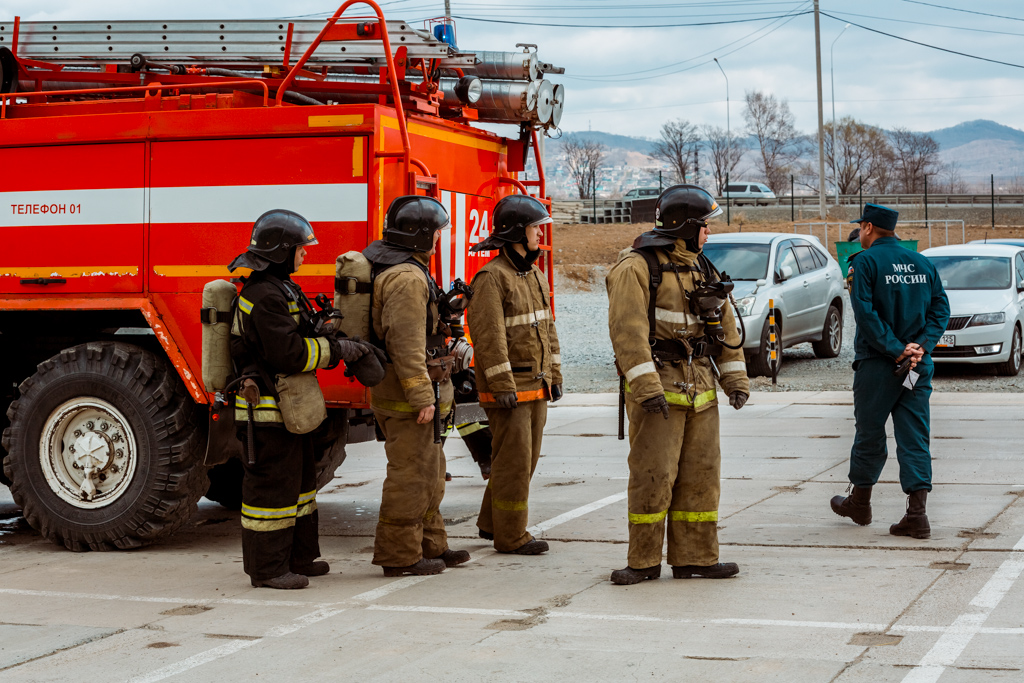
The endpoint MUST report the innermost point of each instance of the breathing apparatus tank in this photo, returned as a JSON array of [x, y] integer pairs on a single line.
[[218, 298], [352, 294]]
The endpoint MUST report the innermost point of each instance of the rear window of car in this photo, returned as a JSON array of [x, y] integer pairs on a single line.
[[972, 272]]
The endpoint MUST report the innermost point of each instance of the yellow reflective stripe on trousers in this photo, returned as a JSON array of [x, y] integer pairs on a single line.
[[306, 509], [510, 505], [402, 406], [268, 513], [681, 516], [637, 518], [264, 411], [267, 524], [265, 403], [684, 400]]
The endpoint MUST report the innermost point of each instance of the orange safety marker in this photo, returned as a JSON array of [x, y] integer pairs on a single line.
[[773, 346]]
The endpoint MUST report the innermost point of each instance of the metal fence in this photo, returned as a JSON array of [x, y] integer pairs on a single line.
[[821, 230]]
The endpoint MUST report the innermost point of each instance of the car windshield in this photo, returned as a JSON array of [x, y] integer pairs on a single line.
[[973, 272], [741, 260]]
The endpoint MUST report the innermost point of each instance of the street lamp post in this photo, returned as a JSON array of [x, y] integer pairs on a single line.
[[728, 136], [832, 77]]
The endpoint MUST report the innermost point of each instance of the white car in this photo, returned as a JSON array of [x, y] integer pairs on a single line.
[[747, 193], [985, 286], [802, 279]]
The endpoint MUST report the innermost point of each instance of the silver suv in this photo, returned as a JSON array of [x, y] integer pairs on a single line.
[[799, 275]]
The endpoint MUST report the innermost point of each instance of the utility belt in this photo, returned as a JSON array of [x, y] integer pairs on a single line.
[[674, 350]]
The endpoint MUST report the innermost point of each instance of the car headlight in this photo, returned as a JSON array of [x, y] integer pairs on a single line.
[[745, 306], [988, 319]]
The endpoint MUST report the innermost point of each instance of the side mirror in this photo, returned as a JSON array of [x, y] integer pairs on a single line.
[[785, 273], [761, 283]]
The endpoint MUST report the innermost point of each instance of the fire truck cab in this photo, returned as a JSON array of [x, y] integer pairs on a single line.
[[136, 157]]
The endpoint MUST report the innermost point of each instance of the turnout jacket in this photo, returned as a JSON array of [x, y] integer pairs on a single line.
[[515, 344], [267, 339], [401, 297], [629, 326], [897, 298]]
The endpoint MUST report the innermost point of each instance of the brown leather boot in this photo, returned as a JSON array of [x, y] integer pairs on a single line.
[[630, 576], [915, 522], [424, 567], [857, 506], [452, 558]]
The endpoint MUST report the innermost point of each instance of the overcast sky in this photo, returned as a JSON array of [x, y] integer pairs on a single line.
[[629, 79]]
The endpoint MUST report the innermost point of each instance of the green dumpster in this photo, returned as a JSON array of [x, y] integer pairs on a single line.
[[844, 250]]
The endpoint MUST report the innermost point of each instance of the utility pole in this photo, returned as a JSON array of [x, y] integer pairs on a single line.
[[821, 114], [448, 10]]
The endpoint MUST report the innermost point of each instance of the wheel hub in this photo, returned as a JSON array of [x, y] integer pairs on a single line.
[[87, 452]]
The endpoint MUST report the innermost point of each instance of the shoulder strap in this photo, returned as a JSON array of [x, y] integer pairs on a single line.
[[654, 281]]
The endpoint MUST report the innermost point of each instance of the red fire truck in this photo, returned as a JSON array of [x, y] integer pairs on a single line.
[[136, 156]]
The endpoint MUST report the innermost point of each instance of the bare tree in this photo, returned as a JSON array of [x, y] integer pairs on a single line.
[[771, 122], [916, 154], [678, 140], [583, 158], [723, 154], [951, 179], [1015, 185], [859, 153]]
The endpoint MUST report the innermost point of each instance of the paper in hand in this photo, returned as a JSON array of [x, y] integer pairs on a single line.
[[910, 380]]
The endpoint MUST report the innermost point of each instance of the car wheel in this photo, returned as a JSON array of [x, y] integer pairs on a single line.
[[759, 362], [1012, 365], [103, 449], [831, 335]]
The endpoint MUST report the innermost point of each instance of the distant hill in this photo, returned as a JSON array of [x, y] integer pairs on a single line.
[[973, 131]]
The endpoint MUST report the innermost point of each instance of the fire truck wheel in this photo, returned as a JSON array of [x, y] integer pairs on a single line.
[[103, 449]]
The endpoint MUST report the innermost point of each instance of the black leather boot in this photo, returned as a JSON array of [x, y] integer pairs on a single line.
[[629, 576], [722, 570], [534, 547], [452, 558], [857, 506], [287, 581], [424, 567], [915, 522], [315, 568]]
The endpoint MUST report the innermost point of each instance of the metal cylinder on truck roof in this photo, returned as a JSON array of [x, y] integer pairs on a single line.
[[511, 66]]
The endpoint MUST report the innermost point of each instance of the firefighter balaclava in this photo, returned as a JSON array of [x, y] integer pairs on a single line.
[[512, 215], [275, 237]]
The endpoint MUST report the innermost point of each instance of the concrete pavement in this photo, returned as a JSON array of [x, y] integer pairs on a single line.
[[818, 598]]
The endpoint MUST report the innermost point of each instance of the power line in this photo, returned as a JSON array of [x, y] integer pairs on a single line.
[[622, 26], [923, 23], [917, 42], [966, 11]]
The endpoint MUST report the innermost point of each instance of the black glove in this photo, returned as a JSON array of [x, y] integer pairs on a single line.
[[737, 399], [507, 400], [346, 350], [657, 404], [556, 392], [368, 370]]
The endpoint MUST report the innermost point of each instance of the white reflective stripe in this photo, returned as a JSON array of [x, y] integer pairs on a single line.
[[444, 246], [492, 371], [682, 317], [245, 203], [528, 318], [732, 366], [116, 206], [556, 359], [641, 369]]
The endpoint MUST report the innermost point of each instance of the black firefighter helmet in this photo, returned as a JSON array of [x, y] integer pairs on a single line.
[[274, 235], [682, 210], [512, 215], [411, 222]]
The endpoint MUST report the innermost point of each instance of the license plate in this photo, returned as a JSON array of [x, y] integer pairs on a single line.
[[947, 340]]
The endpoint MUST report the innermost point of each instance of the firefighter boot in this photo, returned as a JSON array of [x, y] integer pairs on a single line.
[[915, 522], [452, 558], [722, 570], [286, 581], [629, 576], [532, 547], [317, 568], [424, 567], [857, 506]]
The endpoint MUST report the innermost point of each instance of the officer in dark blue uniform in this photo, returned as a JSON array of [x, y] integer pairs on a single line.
[[901, 311]]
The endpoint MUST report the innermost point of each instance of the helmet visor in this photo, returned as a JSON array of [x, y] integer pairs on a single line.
[[716, 210], [546, 220]]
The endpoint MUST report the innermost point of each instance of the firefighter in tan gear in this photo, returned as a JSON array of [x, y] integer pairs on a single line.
[[410, 537], [673, 332], [518, 367], [271, 341]]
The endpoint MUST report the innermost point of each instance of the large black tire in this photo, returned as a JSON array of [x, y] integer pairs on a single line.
[[118, 403], [1012, 365], [758, 362], [831, 335]]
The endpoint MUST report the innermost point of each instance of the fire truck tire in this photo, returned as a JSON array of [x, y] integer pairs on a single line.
[[114, 415]]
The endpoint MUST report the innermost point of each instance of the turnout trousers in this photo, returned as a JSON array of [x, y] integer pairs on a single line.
[[674, 470], [279, 516], [515, 449], [410, 526], [877, 394]]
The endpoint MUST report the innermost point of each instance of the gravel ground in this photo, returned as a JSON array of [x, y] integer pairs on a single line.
[[582, 317]]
